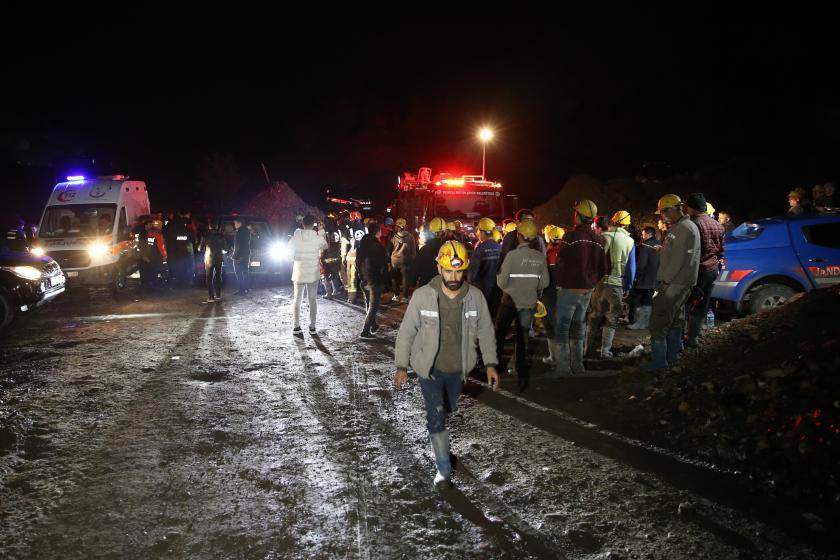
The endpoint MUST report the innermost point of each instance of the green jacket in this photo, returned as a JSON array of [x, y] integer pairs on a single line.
[[522, 275], [418, 339]]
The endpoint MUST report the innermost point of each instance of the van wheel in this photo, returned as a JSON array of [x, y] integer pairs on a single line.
[[7, 309], [770, 296]]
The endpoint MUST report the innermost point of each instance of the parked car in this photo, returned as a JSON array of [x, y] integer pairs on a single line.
[[26, 282], [770, 260]]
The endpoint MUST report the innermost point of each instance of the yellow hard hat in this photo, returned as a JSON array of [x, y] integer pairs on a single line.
[[486, 224], [437, 225], [541, 311], [668, 201], [450, 226], [453, 256], [365, 221], [497, 236], [621, 218], [510, 226], [401, 222], [547, 229], [586, 208], [528, 230], [710, 209], [794, 194], [556, 233]]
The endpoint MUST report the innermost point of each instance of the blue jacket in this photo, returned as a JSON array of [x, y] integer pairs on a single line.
[[484, 265]]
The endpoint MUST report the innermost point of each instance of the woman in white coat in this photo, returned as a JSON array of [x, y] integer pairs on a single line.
[[306, 246]]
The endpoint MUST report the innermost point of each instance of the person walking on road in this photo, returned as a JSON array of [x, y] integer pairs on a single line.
[[444, 322], [306, 246], [372, 268]]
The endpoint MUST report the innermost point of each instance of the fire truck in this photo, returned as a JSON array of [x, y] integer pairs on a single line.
[[467, 198]]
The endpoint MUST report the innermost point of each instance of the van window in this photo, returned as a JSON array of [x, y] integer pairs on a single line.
[[78, 220], [122, 232]]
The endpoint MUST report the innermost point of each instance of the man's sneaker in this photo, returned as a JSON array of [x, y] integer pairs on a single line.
[[367, 336], [218, 298], [404, 300], [311, 329], [328, 296], [297, 330], [395, 299], [374, 329], [210, 300]]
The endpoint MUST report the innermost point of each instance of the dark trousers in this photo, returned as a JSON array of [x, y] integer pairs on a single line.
[[697, 315], [373, 294], [240, 268], [522, 319], [214, 280], [399, 279], [440, 394]]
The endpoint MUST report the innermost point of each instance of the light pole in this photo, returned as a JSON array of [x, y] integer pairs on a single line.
[[485, 135]]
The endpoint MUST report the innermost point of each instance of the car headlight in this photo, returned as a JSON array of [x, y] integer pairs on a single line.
[[28, 272], [97, 249], [38, 251], [278, 251]]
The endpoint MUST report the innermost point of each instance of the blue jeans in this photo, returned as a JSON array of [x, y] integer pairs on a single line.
[[570, 315], [440, 393]]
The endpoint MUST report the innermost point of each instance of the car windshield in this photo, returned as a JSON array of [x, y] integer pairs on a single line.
[[78, 220]]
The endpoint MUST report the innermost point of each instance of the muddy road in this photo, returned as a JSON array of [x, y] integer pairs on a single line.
[[155, 426]]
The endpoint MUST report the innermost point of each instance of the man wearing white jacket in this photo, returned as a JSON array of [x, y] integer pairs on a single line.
[[306, 246]]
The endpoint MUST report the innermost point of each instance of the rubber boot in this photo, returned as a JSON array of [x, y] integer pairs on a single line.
[[658, 358], [440, 447], [607, 335], [562, 358], [576, 354], [642, 318], [675, 345]]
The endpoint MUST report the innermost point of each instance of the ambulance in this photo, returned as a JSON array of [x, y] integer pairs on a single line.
[[86, 228]]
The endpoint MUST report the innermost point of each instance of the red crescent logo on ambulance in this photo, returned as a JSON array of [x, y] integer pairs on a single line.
[[67, 196]]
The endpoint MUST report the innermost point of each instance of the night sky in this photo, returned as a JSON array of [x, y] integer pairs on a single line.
[[356, 103]]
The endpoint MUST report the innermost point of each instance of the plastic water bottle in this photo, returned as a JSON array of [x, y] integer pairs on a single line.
[[710, 319]]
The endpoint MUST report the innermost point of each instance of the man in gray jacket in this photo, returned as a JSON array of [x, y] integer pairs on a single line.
[[437, 338], [522, 277], [402, 250], [678, 265]]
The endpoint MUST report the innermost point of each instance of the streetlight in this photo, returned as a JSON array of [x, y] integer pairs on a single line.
[[485, 135]]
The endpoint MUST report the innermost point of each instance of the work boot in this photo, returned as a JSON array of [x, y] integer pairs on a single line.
[[658, 358], [562, 359], [642, 318], [607, 335], [443, 462], [674, 345], [576, 354]]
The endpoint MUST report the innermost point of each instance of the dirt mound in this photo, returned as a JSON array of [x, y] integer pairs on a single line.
[[610, 196], [762, 396], [279, 204]]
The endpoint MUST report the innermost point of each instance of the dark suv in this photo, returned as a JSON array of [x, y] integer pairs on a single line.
[[26, 282]]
